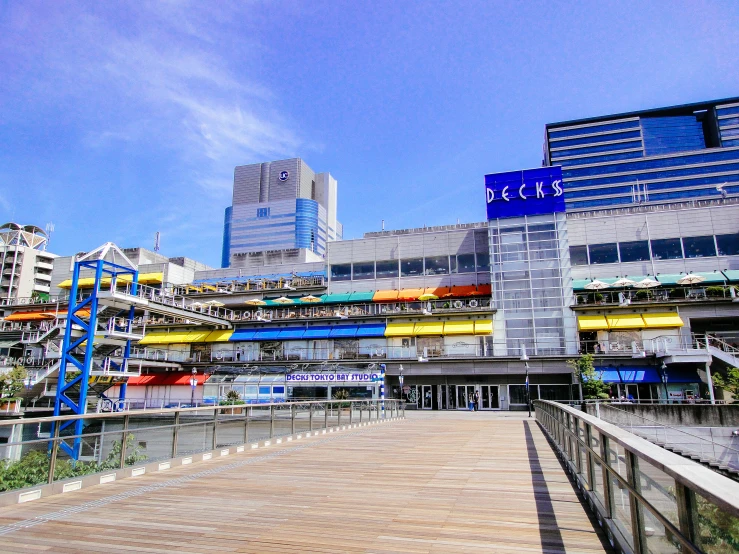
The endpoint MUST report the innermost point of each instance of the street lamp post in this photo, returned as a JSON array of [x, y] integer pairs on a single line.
[[193, 384], [525, 360], [664, 382], [400, 381]]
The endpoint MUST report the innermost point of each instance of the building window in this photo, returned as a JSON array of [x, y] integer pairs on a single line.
[[666, 249], [728, 245], [364, 270], [262, 212], [437, 265], [341, 272], [699, 247], [465, 263], [579, 255], [387, 269], [634, 251], [483, 262], [603, 253], [410, 268]]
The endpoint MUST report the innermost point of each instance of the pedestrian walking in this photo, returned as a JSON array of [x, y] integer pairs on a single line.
[[477, 400]]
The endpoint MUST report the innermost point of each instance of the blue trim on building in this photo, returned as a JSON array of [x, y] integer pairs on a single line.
[[226, 249]]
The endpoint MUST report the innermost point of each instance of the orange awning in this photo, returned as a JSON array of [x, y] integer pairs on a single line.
[[409, 294], [437, 291], [458, 291], [29, 316], [485, 290], [385, 296]]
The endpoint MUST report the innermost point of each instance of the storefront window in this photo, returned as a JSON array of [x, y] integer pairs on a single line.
[[579, 255], [465, 263], [437, 265], [483, 262], [364, 270], [387, 269], [699, 247], [341, 272], [412, 267], [603, 253], [728, 245], [635, 251], [666, 249]]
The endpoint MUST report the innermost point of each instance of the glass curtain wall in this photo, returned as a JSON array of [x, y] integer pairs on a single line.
[[532, 286]]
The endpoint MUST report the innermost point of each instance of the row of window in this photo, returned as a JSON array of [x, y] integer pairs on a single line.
[[593, 149], [556, 133], [430, 265], [726, 167], [653, 197], [629, 187], [658, 249]]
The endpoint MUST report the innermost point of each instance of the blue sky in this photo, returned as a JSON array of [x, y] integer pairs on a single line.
[[120, 119]]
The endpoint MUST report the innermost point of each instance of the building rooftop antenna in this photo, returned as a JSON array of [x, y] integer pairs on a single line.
[[156, 242], [49, 230]]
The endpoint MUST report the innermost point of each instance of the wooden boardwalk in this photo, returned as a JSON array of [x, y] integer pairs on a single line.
[[435, 483]]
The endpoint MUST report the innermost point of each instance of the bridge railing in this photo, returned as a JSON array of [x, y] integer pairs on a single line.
[[646, 498], [115, 444]]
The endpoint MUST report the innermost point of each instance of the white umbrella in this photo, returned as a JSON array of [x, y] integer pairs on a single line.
[[647, 283], [255, 302], [283, 300], [597, 285], [215, 303], [624, 282], [690, 279], [310, 298]]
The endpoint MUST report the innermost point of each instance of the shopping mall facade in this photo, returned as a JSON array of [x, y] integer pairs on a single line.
[[439, 314]]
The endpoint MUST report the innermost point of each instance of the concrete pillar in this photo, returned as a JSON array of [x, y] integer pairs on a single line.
[[709, 379]]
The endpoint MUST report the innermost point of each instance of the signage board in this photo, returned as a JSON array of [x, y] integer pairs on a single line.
[[369, 377], [527, 192]]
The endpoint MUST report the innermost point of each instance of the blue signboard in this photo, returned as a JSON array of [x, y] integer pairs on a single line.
[[527, 192]]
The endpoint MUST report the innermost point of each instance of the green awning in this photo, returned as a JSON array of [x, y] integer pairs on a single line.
[[671, 279], [336, 298], [579, 284], [732, 275], [712, 277], [361, 296]]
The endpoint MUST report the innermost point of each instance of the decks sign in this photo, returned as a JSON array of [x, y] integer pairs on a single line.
[[527, 192], [333, 377]]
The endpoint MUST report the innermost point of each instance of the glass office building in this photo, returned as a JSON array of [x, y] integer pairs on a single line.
[[664, 155]]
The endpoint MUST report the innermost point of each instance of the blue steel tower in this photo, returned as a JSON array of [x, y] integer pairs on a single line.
[[673, 154]]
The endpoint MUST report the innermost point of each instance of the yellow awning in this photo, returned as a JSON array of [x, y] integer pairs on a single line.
[[179, 337], [592, 323], [662, 320], [219, 336], [197, 336], [459, 328], [427, 328], [399, 330], [484, 327], [88, 282], [625, 321]]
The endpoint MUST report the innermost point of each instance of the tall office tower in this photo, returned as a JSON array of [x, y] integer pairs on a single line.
[[26, 266], [664, 155], [278, 206]]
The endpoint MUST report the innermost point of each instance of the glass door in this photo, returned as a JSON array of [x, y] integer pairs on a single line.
[[426, 397], [465, 395], [489, 397]]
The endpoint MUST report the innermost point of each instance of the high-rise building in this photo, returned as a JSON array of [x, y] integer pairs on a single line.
[[26, 266], [280, 205], [654, 156]]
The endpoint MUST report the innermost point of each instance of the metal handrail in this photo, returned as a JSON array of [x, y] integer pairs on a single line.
[[571, 431]]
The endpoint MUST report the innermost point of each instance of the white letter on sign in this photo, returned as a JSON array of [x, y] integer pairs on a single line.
[[539, 192], [504, 194], [491, 195], [520, 191], [557, 188]]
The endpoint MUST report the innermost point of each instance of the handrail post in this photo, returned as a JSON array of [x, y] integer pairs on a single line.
[[637, 516], [338, 415], [215, 428], [325, 415], [124, 440], [54, 451], [246, 424], [607, 488], [589, 456], [292, 419], [175, 433], [271, 421], [310, 418], [351, 413], [687, 513]]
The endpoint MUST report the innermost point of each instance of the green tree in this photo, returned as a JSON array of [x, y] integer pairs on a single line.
[[592, 385], [730, 384], [13, 381]]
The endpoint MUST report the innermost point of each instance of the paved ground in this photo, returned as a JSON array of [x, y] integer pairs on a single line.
[[439, 482]]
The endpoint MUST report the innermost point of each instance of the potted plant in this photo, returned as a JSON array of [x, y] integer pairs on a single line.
[[342, 394], [233, 399], [715, 292], [641, 294]]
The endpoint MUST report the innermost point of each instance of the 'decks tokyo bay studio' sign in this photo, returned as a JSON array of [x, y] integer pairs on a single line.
[[333, 377]]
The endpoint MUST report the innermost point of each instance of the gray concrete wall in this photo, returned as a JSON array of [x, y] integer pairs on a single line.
[[690, 415]]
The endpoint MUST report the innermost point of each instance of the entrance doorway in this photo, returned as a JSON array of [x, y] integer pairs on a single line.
[[489, 399], [489, 396], [427, 397]]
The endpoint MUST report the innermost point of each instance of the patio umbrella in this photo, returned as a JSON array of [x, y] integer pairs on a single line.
[[597, 285], [647, 283], [214, 303], [428, 296], [196, 305], [255, 302], [690, 279], [283, 300], [310, 298], [624, 282]]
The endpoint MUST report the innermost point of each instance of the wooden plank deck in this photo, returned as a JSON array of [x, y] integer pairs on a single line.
[[436, 483]]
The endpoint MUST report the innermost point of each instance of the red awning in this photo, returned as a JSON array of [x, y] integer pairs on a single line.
[[460, 291], [484, 290], [165, 379]]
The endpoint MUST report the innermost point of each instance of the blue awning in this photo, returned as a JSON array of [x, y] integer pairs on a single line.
[[371, 330], [291, 333], [682, 376], [317, 332], [266, 334], [344, 332], [242, 334], [629, 375]]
